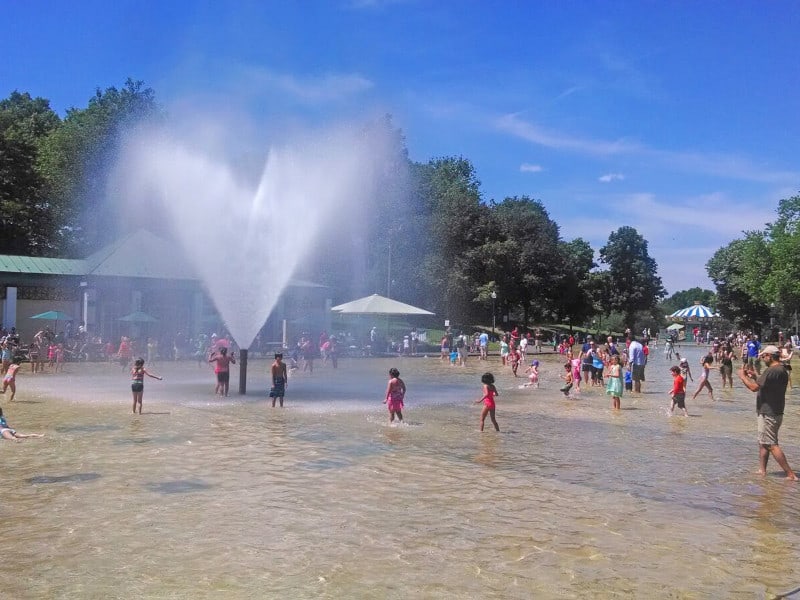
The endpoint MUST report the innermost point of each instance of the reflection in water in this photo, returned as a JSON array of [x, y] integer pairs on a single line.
[[72, 478], [324, 499]]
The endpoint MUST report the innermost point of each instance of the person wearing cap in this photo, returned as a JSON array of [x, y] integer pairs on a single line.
[[686, 372], [770, 388]]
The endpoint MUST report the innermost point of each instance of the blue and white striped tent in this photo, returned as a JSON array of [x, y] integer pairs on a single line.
[[695, 312]]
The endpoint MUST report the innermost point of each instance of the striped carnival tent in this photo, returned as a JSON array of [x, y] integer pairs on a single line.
[[697, 312]]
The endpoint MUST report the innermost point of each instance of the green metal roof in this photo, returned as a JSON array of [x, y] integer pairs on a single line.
[[42, 266], [139, 254]]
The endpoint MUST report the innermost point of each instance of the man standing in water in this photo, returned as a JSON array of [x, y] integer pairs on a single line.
[[637, 359], [279, 379], [770, 402]]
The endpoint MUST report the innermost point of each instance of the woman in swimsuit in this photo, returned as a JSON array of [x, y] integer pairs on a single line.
[[489, 394], [7, 433], [137, 382], [395, 393]]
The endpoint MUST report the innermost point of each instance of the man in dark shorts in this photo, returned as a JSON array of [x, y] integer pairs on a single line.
[[637, 358], [770, 402]]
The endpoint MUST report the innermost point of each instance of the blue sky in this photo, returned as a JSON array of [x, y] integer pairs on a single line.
[[678, 118]]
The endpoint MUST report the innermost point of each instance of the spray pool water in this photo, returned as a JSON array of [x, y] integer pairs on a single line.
[[203, 497]]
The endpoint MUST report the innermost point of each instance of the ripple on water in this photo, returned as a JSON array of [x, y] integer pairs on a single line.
[[71, 478], [178, 486], [87, 428]]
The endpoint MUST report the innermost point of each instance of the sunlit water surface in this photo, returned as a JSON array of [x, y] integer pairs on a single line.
[[203, 497]]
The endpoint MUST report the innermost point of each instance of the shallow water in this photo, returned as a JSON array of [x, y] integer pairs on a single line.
[[204, 497]]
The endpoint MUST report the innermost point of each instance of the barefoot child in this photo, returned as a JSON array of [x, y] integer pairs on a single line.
[[222, 369], [678, 392], [628, 379], [489, 393], [395, 392], [567, 377], [706, 363], [137, 382], [10, 380], [533, 378], [7, 433], [614, 386], [279, 379]]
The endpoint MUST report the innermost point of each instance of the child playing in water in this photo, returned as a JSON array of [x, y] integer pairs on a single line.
[[567, 377], [686, 372], [504, 350], [614, 386], [6, 432], [60, 358], [137, 382], [628, 378], [533, 378], [515, 357], [222, 369], [678, 392], [10, 380], [279, 379], [454, 356], [395, 392], [489, 394], [706, 363]]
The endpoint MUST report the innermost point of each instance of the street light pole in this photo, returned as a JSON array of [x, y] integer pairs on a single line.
[[494, 297]]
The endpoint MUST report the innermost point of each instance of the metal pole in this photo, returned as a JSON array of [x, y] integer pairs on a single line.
[[243, 371], [494, 316]]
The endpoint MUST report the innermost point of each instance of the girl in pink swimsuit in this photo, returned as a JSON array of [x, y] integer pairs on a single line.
[[489, 394], [395, 393]]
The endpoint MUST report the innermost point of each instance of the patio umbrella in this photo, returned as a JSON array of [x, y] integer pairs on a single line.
[[138, 317], [378, 305], [53, 315], [675, 327]]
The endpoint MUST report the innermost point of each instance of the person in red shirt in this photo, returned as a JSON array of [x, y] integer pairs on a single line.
[[678, 392]]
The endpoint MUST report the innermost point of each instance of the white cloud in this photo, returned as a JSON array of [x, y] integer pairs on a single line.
[[609, 177], [515, 126], [311, 89], [682, 232], [715, 164], [529, 168]]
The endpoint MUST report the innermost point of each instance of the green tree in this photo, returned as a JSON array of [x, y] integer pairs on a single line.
[[76, 159], [458, 228], [782, 281], [27, 224], [577, 287], [631, 281], [738, 272]]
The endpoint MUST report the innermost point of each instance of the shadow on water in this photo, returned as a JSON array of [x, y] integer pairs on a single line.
[[86, 428], [73, 478], [162, 440], [178, 486]]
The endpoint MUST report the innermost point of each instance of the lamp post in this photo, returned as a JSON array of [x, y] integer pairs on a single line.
[[494, 297]]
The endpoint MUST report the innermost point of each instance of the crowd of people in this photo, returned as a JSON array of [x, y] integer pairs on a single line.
[[614, 366]]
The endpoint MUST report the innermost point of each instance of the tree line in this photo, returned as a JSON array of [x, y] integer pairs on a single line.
[[757, 276], [430, 238]]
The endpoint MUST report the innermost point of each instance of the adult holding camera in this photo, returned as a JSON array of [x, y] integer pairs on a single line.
[[770, 387]]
